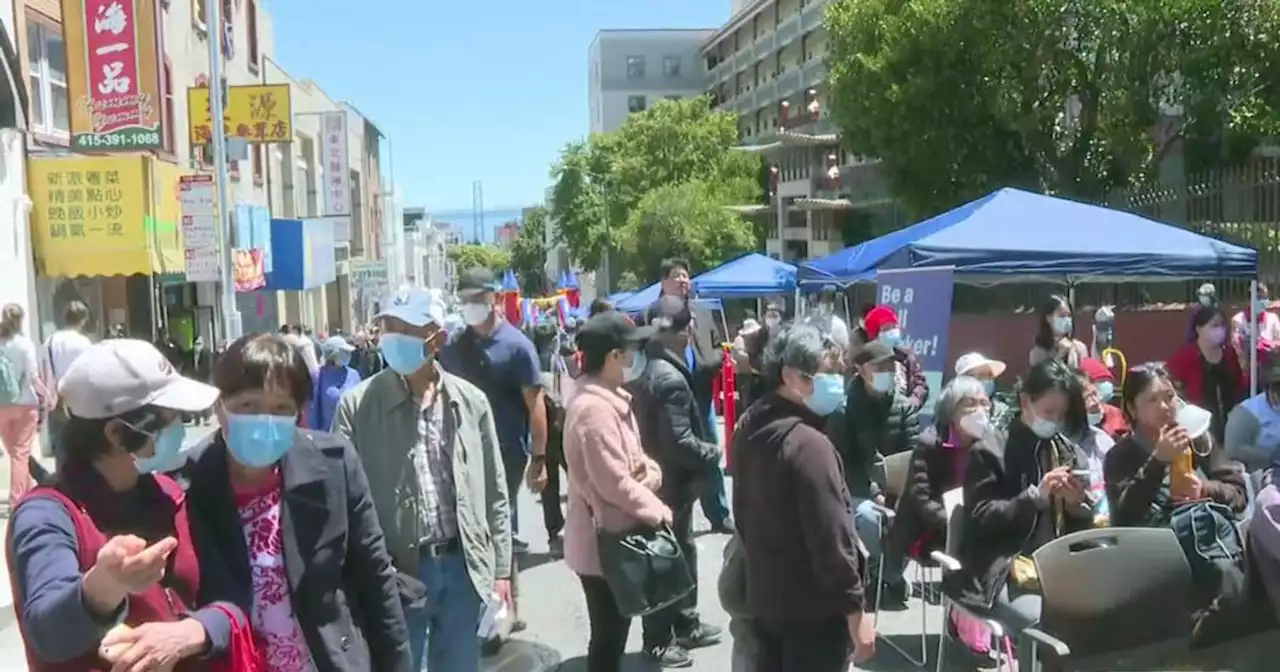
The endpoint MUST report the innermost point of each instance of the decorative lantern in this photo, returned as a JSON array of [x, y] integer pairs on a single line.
[[812, 104], [773, 180], [784, 112], [833, 171]]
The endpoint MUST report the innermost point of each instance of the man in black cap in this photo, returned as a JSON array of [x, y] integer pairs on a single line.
[[675, 429], [705, 359]]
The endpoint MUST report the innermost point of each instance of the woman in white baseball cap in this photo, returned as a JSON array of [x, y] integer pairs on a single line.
[[110, 511], [976, 365]]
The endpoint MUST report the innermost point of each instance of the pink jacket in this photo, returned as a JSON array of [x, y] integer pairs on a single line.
[[612, 482]]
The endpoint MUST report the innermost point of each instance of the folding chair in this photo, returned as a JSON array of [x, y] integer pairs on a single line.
[[1112, 597], [897, 469], [948, 564]]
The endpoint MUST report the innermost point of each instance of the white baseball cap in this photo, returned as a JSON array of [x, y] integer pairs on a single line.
[[121, 375], [968, 364]]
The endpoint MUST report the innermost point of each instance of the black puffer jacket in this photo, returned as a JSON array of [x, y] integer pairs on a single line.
[[871, 426], [674, 430]]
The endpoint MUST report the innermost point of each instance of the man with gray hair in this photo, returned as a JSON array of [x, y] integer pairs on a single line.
[[676, 431]]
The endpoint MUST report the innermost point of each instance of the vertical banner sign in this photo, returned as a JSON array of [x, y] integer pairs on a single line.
[[197, 195], [337, 178], [113, 74], [922, 300]]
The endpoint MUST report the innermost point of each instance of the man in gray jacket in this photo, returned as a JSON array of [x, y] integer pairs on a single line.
[[430, 449]]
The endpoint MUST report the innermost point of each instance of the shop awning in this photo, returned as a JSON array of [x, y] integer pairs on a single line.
[[116, 215]]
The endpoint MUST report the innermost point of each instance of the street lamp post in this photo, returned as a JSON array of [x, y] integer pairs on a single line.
[[231, 325]]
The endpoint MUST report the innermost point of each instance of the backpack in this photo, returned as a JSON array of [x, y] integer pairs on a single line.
[[10, 379]]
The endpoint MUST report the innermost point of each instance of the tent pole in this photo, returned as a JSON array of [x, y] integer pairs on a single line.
[[1253, 337]]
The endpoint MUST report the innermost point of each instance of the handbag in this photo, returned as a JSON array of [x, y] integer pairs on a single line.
[[644, 567]]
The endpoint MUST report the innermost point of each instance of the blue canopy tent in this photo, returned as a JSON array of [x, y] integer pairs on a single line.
[[1012, 235], [747, 277], [640, 301]]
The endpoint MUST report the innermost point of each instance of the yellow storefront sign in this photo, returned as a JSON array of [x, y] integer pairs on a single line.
[[104, 216], [257, 113]]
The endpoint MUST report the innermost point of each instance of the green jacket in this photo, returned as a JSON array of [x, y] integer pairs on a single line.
[[381, 420]]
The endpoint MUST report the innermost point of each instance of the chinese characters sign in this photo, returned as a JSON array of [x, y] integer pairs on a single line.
[[113, 74], [257, 113], [198, 197], [88, 214], [337, 178]]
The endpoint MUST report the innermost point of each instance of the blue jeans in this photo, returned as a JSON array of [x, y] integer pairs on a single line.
[[445, 628], [867, 521], [514, 463]]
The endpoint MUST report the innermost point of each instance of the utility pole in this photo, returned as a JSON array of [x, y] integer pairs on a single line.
[[231, 326], [477, 211]]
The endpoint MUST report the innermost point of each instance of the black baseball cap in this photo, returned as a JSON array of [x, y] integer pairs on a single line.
[[874, 352], [612, 330], [476, 281], [669, 313]]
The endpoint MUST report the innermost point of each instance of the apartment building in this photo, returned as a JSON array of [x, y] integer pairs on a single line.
[[631, 69], [17, 272], [767, 66]]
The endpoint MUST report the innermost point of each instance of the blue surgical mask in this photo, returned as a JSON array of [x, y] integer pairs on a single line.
[[988, 386], [1042, 428], [882, 382], [1106, 390], [828, 394], [891, 337], [405, 354], [1261, 306], [341, 359], [1095, 419], [168, 453], [636, 369], [259, 440], [1062, 326]]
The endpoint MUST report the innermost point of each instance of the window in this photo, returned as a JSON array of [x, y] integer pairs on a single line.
[[635, 103], [166, 84], [635, 67], [251, 25], [671, 67], [50, 106]]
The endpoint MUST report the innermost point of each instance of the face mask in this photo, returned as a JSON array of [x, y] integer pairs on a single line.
[[828, 393], [771, 322], [1062, 325], [475, 313], [636, 369], [1261, 306], [1042, 428], [882, 382], [891, 337], [1095, 419], [988, 386], [1215, 335], [1206, 299], [168, 454], [341, 360], [405, 354], [259, 440], [1106, 390], [975, 424]]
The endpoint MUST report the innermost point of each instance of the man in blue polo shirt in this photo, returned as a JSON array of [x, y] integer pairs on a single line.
[[500, 360]]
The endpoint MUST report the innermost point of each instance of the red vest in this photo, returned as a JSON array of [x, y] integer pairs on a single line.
[[162, 602]]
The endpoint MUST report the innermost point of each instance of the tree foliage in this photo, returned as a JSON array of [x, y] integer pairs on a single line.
[[959, 97], [685, 220], [601, 183], [479, 256], [529, 253]]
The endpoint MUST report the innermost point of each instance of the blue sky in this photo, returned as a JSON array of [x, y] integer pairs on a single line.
[[484, 90]]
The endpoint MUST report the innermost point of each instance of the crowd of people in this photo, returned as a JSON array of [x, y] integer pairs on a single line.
[[356, 508]]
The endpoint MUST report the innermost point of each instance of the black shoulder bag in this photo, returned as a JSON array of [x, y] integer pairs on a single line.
[[644, 567]]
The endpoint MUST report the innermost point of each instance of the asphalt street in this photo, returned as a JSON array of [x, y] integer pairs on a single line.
[[551, 602]]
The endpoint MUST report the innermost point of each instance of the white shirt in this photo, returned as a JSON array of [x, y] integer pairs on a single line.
[[1268, 330], [62, 348], [22, 352]]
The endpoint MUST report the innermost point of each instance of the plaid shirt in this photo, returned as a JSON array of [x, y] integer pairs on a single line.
[[433, 462]]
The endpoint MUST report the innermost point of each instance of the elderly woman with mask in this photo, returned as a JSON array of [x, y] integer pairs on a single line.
[[1253, 427]]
